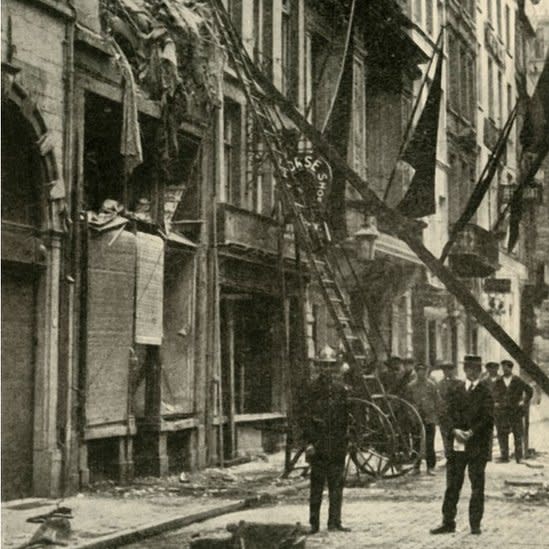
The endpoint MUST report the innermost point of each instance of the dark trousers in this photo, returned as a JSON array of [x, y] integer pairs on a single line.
[[510, 423], [430, 456], [330, 471], [455, 474]]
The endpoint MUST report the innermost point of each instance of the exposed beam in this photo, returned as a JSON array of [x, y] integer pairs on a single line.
[[404, 229]]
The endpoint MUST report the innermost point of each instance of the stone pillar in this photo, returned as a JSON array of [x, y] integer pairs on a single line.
[[46, 456]]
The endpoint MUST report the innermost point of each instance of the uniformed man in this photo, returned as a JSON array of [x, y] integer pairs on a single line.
[[490, 375], [490, 378], [512, 396], [326, 436], [425, 397]]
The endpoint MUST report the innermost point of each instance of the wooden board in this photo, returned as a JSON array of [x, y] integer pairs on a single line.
[[177, 379], [110, 318], [18, 351]]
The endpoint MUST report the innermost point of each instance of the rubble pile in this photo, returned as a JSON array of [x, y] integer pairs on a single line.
[[532, 491], [237, 482]]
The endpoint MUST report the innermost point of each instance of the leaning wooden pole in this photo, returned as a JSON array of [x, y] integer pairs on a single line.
[[405, 229]]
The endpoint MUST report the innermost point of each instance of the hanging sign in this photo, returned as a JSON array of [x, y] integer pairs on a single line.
[[313, 175]]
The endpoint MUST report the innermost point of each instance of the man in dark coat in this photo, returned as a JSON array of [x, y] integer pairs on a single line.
[[445, 388], [470, 410], [490, 375], [425, 397], [512, 396], [326, 435], [490, 378]]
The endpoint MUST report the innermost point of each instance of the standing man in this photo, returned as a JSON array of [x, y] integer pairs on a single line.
[[393, 375], [326, 436], [409, 371], [490, 377], [470, 412], [446, 386], [512, 396], [425, 397]]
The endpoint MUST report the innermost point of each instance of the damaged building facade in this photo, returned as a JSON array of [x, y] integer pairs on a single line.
[[165, 318]]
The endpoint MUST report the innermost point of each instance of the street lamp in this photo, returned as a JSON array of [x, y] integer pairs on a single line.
[[366, 238]]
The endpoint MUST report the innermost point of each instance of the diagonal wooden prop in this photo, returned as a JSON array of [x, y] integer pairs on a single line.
[[405, 230]]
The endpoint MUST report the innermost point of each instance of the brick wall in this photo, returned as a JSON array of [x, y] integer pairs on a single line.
[[38, 37]]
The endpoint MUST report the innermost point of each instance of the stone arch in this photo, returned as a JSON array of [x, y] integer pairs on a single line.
[[32, 262], [53, 192]]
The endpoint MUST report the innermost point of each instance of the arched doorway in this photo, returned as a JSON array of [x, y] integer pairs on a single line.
[[22, 271]]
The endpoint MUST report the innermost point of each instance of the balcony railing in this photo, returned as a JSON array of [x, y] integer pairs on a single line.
[[475, 253], [247, 231]]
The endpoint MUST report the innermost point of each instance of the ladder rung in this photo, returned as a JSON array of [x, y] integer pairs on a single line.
[[370, 376], [328, 282], [343, 319], [377, 396]]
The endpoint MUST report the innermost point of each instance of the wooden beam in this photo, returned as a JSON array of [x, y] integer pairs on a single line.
[[405, 230]]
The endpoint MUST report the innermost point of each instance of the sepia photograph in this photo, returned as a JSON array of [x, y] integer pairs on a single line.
[[275, 274]]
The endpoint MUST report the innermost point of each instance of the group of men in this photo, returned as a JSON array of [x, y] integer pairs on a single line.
[[510, 394], [465, 411]]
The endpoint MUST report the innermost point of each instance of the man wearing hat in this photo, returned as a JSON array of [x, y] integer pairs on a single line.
[[470, 415], [423, 393], [490, 375], [326, 436], [512, 396], [445, 387]]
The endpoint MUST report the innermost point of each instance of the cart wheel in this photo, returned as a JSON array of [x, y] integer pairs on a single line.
[[372, 439], [409, 435]]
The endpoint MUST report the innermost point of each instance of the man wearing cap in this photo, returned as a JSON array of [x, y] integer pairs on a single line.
[[470, 413], [409, 375], [490, 375], [512, 396], [326, 436], [490, 378], [425, 397], [445, 387], [393, 374]]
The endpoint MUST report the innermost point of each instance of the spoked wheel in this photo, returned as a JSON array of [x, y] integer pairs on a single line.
[[409, 436], [373, 440]]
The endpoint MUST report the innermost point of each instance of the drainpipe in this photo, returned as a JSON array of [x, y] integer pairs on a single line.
[[69, 251]]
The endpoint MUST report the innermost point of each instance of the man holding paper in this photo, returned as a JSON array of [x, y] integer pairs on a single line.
[[470, 416]]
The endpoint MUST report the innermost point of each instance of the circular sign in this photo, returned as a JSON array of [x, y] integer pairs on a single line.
[[313, 175]]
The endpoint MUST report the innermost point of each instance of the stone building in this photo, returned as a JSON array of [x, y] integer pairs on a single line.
[[37, 42], [536, 308], [156, 314]]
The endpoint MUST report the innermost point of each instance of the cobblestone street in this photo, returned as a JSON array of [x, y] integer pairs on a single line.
[[399, 514]]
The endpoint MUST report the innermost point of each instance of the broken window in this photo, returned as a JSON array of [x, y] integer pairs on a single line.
[[232, 153], [104, 174], [182, 196], [21, 176]]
